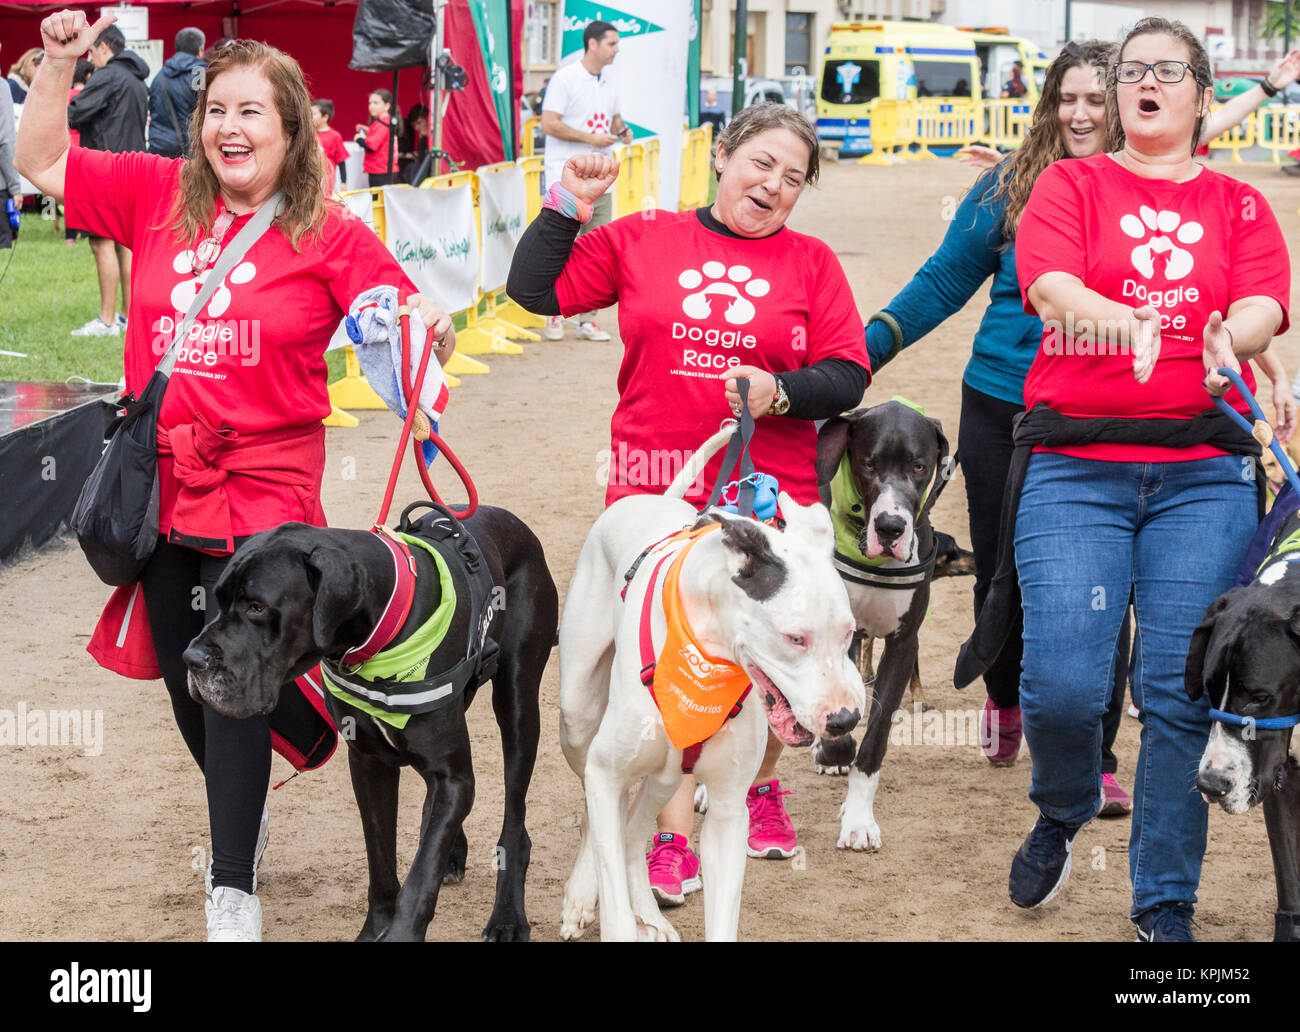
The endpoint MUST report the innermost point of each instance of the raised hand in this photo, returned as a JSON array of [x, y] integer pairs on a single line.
[[588, 176], [66, 35]]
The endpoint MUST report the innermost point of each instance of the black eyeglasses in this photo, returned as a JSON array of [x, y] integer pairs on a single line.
[[1129, 72]]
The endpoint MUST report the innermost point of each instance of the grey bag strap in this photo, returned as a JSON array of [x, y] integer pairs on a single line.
[[230, 257]]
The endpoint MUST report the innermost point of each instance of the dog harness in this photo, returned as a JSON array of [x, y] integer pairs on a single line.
[[848, 520], [394, 681], [695, 693]]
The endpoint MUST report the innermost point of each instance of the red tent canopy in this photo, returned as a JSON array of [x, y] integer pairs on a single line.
[[319, 36]]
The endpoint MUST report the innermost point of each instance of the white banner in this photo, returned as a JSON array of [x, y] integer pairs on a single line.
[[432, 235], [362, 206], [503, 214], [650, 71]]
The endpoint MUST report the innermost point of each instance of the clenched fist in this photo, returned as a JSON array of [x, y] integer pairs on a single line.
[[66, 35], [588, 176]]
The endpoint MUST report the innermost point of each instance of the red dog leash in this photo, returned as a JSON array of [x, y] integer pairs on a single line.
[[417, 420]]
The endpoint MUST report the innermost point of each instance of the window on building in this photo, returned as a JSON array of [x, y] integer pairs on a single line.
[[798, 44], [542, 35]]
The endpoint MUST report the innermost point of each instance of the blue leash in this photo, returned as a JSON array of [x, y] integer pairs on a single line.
[[1260, 429], [1262, 432]]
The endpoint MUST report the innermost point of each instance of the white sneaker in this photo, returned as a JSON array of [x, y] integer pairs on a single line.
[[97, 328], [121, 321], [590, 331], [233, 916], [554, 328], [263, 833]]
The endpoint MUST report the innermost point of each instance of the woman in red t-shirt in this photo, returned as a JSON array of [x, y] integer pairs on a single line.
[[705, 297], [379, 138], [1148, 270], [241, 445]]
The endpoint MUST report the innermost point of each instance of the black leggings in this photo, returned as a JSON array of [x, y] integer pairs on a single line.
[[234, 755], [984, 449]]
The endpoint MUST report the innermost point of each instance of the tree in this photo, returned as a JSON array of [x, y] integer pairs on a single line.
[[1274, 24]]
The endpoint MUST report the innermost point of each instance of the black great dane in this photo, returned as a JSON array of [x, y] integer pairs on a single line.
[[297, 595], [880, 470]]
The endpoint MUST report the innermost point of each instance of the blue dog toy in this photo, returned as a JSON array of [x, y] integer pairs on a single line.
[[765, 492]]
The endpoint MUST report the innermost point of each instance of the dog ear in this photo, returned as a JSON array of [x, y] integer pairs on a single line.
[[832, 439], [755, 568], [812, 520], [942, 471], [1196, 674], [336, 581]]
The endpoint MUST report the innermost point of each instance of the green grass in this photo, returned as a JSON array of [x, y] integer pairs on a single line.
[[50, 290]]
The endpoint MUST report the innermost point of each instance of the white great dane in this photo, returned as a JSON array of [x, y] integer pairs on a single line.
[[766, 600]]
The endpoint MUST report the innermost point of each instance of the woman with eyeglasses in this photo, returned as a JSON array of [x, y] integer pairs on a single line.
[[241, 447], [1149, 271]]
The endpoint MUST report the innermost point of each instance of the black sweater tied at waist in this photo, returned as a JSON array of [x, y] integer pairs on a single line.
[[1044, 426]]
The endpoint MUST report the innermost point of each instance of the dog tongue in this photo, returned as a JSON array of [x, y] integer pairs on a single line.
[[783, 721]]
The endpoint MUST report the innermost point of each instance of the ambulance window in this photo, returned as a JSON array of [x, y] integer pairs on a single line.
[[942, 78], [850, 82]]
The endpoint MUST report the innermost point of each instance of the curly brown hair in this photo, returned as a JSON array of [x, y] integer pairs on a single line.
[[302, 172], [1042, 145]]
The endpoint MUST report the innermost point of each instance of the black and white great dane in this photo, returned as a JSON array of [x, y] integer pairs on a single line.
[[897, 459], [293, 596], [1246, 656]]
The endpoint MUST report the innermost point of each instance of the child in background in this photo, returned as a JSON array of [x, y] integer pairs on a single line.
[[331, 142], [379, 140]]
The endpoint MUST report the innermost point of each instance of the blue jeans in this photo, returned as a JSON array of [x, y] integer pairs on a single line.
[[1087, 533]]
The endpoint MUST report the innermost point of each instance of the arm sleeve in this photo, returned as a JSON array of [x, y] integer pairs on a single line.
[[539, 260], [375, 136], [969, 255], [91, 102], [112, 195], [8, 176], [590, 278], [825, 388], [1050, 237], [1261, 265]]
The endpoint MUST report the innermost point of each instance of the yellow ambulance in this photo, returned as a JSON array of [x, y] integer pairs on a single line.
[[894, 60], [998, 50]]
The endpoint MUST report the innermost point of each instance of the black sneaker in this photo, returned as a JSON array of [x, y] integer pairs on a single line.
[[1042, 864], [1168, 922]]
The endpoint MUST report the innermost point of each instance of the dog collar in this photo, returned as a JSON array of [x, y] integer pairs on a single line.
[[1259, 723], [398, 607]]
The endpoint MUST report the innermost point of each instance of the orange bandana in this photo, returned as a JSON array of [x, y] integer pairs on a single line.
[[695, 693]]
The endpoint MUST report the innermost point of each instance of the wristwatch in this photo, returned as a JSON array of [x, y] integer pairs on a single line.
[[781, 403]]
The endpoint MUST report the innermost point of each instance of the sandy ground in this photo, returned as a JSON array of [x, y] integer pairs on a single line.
[[112, 846]]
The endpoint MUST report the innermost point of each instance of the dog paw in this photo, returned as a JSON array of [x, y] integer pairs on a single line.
[[701, 799], [511, 929], [832, 771], [655, 930], [574, 920], [861, 838]]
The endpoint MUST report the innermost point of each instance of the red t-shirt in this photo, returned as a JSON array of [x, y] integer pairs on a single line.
[[377, 138], [331, 143], [1185, 248], [693, 302], [255, 356]]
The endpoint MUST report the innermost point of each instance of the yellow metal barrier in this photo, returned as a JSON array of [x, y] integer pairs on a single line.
[[630, 185], [695, 181], [887, 130], [1278, 129], [1006, 122], [946, 122], [351, 391], [533, 166], [529, 133], [650, 194], [1235, 139]]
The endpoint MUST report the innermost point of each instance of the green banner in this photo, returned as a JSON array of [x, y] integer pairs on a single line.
[[490, 24], [578, 14]]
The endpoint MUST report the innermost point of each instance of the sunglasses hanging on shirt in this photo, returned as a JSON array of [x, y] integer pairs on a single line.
[[205, 253]]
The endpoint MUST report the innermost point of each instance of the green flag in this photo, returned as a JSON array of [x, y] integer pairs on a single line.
[[490, 25], [693, 68]]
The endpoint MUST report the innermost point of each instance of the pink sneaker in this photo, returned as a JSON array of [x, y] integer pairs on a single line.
[[674, 869], [1117, 801], [1000, 733], [771, 834]]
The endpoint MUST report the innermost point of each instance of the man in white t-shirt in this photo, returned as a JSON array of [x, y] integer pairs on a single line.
[[580, 115]]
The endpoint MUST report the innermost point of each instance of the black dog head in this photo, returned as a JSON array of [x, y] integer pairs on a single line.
[[895, 454], [1246, 655], [288, 598]]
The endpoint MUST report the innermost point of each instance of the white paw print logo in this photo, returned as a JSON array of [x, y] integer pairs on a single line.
[[740, 310], [184, 293], [1178, 263]]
